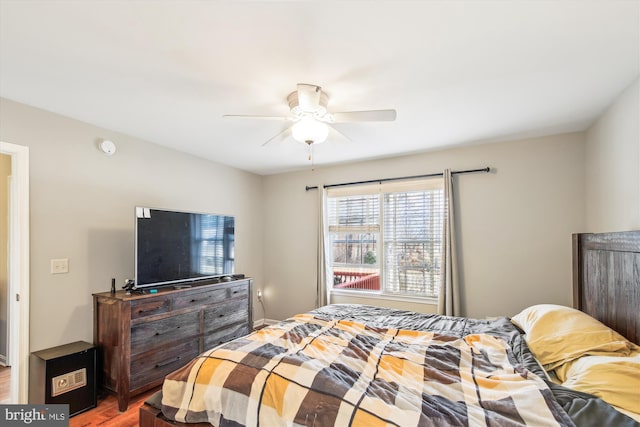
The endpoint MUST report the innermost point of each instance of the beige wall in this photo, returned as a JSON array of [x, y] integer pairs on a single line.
[[514, 224], [82, 208], [613, 166], [5, 172]]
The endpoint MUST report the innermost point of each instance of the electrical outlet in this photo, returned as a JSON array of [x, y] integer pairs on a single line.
[[259, 293], [59, 266]]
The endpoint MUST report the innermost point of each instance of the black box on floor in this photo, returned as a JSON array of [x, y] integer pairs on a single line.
[[65, 375]]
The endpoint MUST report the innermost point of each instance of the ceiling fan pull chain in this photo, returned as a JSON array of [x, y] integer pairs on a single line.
[[310, 144]]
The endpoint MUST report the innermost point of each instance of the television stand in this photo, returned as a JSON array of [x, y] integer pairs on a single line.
[[144, 337]]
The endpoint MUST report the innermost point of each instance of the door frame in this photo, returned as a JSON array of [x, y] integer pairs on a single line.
[[18, 289]]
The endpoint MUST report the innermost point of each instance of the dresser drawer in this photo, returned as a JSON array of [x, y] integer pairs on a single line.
[[148, 307], [147, 368], [195, 298], [220, 315], [229, 333], [150, 335], [239, 291]]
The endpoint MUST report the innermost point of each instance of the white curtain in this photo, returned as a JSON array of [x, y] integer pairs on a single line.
[[449, 299], [322, 289]]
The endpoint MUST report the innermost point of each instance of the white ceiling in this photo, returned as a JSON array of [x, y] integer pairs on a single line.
[[457, 72]]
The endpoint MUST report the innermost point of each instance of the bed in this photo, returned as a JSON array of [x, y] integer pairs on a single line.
[[363, 365]]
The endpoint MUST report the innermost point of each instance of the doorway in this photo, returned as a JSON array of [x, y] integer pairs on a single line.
[[5, 363], [18, 271]]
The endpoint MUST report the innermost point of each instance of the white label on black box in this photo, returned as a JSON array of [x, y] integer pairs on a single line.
[[69, 381]]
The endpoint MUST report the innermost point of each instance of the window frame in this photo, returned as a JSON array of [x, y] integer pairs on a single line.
[[426, 184]]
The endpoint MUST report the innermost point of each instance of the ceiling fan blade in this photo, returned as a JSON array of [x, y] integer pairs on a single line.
[[281, 135], [365, 116], [240, 116], [341, 134]]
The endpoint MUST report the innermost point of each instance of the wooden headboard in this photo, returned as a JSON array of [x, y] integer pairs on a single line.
[[606, 279]]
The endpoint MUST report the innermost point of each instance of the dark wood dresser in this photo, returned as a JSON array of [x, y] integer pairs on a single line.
[[143, 337]]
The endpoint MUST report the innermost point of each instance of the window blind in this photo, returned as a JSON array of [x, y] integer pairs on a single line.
[[395, 227], [412, 239], [358, 213]]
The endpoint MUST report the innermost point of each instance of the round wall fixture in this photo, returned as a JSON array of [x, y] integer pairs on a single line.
[[107, 147]]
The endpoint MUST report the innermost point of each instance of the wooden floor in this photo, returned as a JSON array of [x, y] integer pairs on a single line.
[[107, 414], [5, 384]]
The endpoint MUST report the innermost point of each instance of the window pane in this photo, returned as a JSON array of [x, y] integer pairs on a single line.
[[412, 233], [355, 248], [355, 263]]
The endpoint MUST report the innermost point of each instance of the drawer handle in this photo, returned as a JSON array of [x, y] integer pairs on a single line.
[[235, 292], [160, 333], [148, 311], [207, 297], [160, 365]]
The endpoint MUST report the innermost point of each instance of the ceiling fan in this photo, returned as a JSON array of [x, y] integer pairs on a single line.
[[311, 119]]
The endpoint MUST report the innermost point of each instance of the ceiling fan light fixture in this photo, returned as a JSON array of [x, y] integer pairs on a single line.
[[311, 119], [308, 100], [310, 131]]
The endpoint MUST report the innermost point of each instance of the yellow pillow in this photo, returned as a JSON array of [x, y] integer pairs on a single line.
[[616, 380], [557, 334]]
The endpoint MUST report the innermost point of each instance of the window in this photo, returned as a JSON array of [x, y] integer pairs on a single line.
[[387, 238]]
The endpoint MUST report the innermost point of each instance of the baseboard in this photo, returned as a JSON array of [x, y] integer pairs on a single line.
[[3, 360]]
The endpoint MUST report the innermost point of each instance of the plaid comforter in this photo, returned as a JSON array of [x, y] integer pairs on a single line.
[[316, 371]]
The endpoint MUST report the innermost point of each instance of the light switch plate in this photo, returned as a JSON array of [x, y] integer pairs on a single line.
[[59, 266]]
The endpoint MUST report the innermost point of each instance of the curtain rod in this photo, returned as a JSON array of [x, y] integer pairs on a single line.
[[487, 169]]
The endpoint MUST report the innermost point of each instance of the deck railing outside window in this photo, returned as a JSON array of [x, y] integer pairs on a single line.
[[356, 281]]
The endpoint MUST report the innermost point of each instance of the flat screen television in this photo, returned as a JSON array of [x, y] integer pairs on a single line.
[[173, 247]]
